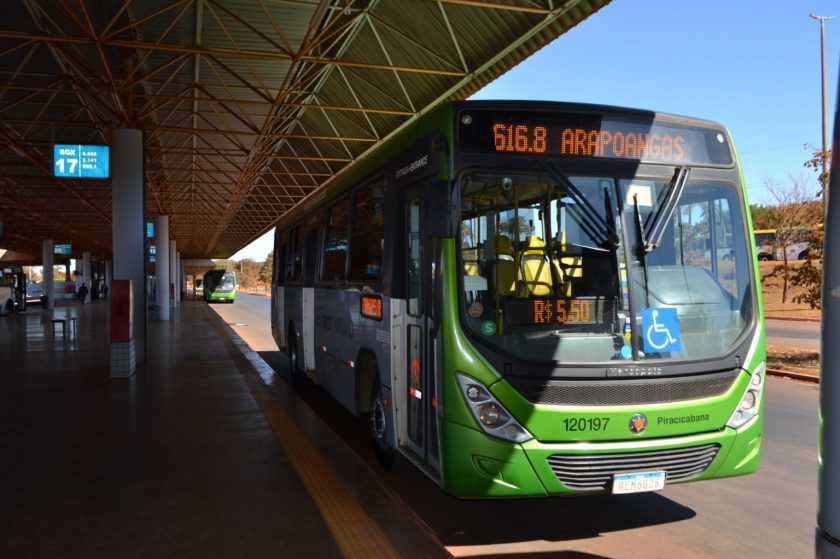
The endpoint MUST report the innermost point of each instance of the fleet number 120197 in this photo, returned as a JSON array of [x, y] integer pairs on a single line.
[[586, 423]]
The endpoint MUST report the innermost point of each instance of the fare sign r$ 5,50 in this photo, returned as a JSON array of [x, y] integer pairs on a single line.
[[81, 161]]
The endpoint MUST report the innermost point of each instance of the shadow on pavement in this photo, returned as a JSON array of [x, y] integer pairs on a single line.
[[486, 522]]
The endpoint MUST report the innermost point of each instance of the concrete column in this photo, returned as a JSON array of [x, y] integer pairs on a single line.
[[49, 284], [173, 271], [162, 271], [128, 211], [109, 272], [182, 279], [86, 272]]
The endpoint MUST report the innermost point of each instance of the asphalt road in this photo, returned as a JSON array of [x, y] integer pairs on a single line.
[[770, 514], [796, 334]]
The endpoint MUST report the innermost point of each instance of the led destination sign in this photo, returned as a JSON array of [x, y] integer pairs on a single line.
[[584, 136], [550, 312]]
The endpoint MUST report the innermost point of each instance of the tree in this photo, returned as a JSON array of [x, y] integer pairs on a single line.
[[246, 272], [266, 269], [795, 208], [764, 217], [807, 276]]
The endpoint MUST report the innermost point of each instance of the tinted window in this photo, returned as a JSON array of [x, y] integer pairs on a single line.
[[367, 234], [336, 241]]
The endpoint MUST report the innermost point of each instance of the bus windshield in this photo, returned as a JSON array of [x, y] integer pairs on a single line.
[[565, 269]]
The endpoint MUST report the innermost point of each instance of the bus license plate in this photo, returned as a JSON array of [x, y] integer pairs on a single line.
[[638, 482]]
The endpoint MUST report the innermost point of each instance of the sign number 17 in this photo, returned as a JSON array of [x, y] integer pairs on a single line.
[[70, 162]]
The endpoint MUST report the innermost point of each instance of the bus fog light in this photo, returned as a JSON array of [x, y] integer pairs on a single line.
[[756, 379], [473, 392], [489, 414]]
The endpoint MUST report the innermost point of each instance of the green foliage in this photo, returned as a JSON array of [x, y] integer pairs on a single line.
[[809, 278], [266, 268], [764, 217]]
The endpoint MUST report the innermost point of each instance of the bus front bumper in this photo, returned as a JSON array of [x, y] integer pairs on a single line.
[[479, 466]]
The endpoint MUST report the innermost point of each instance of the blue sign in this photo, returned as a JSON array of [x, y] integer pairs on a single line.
[[81, 162], [661, 329], [150, 229], [62, 249]]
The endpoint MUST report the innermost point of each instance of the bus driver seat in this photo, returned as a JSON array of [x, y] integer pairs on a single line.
[[535, 269]]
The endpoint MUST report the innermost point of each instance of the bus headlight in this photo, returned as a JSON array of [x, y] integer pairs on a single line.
[[491, 416], [750, 401]]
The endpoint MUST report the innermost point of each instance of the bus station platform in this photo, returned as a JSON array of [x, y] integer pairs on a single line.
[[204, 452]]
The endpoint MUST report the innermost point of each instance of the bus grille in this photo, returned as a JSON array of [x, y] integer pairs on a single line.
[[617, 392], [595, 471]]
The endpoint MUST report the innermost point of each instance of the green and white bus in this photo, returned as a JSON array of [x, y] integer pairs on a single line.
[[534, 298], [219, 286]]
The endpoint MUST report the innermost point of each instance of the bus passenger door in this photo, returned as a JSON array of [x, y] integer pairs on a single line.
[[310, 268], [420, 395]]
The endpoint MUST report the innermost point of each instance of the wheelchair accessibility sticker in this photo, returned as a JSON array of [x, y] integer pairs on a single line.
[[662, 330]]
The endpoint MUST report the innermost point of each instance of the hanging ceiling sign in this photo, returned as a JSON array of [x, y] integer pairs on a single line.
[[81, 161]]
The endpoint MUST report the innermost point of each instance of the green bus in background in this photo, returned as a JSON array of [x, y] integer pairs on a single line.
[[219, 285], [535, 298]]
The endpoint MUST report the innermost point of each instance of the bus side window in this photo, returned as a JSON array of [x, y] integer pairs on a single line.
[[293, 259], [280, 265], [366, 234], [336, 240]]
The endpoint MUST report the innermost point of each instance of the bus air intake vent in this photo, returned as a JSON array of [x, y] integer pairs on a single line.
[[619, 392], [594, 472]]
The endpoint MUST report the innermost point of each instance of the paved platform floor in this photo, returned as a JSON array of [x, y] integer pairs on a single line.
[[178, 461]]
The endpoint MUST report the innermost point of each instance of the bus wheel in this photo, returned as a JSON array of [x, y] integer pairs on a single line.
[[294, 362], [385, 453], [10, 307]]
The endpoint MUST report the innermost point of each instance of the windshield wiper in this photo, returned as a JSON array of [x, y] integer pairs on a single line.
[[652, 236], [642, 249], [604, 231]]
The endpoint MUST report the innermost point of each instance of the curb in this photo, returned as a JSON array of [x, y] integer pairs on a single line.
[[792, 318], [797, 376]]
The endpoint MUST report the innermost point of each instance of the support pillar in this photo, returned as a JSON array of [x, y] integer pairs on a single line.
[[162, 271], [86, 274], [182, 279], [109, 273], [129, 228], [173, 271], [828, 511], [49, 284]]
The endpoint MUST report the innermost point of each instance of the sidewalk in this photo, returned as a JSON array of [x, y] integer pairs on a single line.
[[177, 461]]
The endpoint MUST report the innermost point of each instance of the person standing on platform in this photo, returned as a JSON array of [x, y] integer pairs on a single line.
[[81, 288]]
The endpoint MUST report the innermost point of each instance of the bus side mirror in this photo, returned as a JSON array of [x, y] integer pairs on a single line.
[[440, 210]]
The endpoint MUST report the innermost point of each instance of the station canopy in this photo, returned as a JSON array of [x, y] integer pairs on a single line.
[[247, 106]]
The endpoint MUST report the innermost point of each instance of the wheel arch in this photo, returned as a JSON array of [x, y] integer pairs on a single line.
[[367, 372]]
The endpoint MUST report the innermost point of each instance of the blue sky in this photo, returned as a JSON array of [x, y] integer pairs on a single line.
[[752, 65]]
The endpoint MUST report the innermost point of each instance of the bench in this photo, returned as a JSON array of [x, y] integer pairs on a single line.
[[64, 321]]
